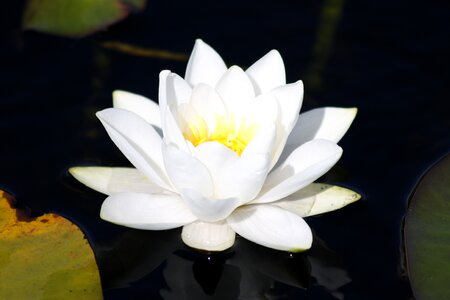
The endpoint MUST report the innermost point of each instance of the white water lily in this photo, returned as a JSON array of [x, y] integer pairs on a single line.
[[235, 156]]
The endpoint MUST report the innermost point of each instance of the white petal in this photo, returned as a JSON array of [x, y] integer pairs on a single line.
[[145, 211], [140, 105], [162, 91], [302, 167], [243, 178], [209, 209], [204, 65], [178, 90], [208, 104], [108, 180], [187, 172], [201, 235], [268, 72], [328, 123], [162, 96], [262, 143], [317, 198], [236, 90], [233, 176], [172, 133], [138, 141], [215, 157], [290, 98], [263, 110], [271, 227]]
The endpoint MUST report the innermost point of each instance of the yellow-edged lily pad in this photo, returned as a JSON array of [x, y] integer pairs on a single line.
[[44, 258]]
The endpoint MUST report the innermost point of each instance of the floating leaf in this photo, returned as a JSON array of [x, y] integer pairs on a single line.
[[44, 258], [427, 234], [76, 18]]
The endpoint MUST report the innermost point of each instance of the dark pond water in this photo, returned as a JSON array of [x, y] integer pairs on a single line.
[[390, 59]]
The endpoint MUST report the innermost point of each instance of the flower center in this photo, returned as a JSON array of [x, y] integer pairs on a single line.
[[222, 129]]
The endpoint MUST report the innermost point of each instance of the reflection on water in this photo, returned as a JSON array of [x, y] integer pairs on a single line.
[[246, 271]]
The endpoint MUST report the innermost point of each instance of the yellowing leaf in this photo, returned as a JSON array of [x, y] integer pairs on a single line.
[[76, 18], [44, 258]]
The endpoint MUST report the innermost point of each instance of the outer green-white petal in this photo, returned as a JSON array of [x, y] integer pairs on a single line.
[[271, 227], [317, 198], [207, 208], [328, 123], [138, 141], [268, 72], [302, 167], [140, 105], [146, 211], [108, 180], [217, 236], [205, 65]]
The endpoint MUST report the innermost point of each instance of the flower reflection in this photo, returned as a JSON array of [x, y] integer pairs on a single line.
[[249, 271]]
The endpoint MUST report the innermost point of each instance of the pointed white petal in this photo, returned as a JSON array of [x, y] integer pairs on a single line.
[[172, 133], [208, 104], [236, 90], [268, 72], [162, 96], [215, 156], [302, 167], [263, 110], [209, 209], [262, 143], [140, 105], [328, 123], [138, 141], [289, 98], [146, 211], [233, 176], [271, 227], [187, 172], [108, 180], [207, 236], [204, 65], [162, 91], [243, 177], [178, 90], [317, 198]]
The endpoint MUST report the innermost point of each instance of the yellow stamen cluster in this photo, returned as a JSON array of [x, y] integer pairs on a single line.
[[228, 132]]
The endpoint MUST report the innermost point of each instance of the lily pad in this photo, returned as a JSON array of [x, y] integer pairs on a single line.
[[427, 234], [76, 18], [44, 258]]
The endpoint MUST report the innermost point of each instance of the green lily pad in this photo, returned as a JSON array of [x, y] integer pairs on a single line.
[[76, 18], [44, 258], [427, 234]]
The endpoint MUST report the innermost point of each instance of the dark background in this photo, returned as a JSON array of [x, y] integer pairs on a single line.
[[388, 58]]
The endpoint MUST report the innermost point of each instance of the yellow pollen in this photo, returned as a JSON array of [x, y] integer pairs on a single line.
[[226, 131]]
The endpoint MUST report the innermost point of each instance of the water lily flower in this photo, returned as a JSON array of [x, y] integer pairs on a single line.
[[235, 156]]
